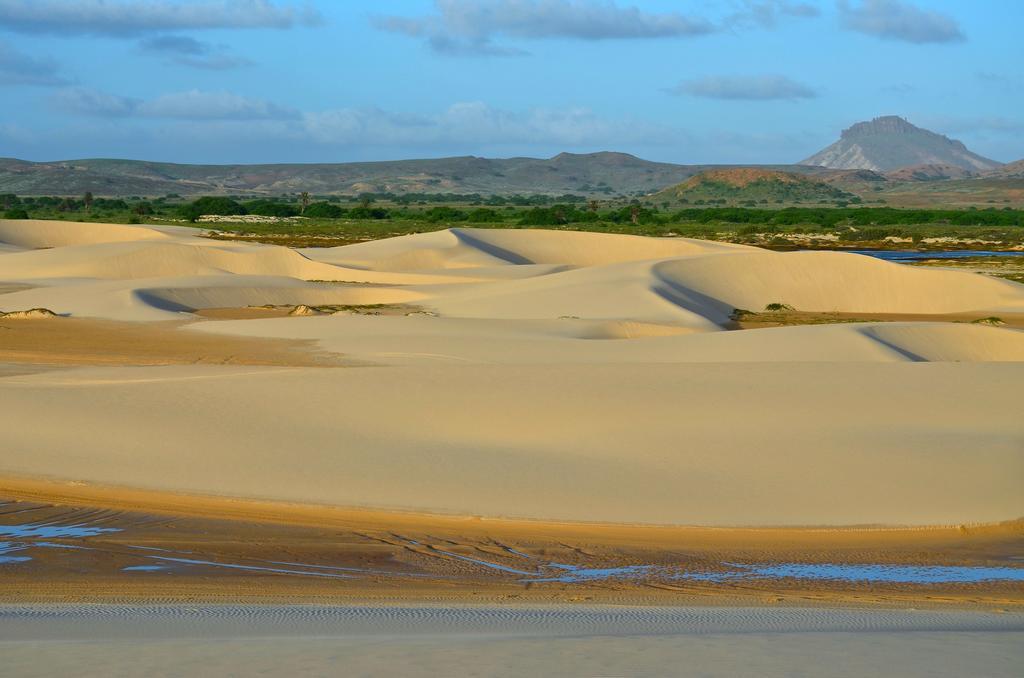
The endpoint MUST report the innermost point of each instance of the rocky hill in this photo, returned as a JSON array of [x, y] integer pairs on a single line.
[[890, 143], [752, 185], [930, 172], [1011, 170]]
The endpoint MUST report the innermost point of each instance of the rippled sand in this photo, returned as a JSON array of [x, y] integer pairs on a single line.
[[506, 641]]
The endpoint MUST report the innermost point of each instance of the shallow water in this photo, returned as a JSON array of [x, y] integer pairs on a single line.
[[896, 574], [904, 574], [575, 574], [6, 548], [53, 531], [915, 255], [542, 571], [85, 531]]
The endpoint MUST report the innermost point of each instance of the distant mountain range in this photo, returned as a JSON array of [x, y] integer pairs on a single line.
[[592, 174], [890, 143], [856, 162]]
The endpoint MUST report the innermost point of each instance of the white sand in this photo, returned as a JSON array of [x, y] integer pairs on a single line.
[[509, 641], [565, 375]]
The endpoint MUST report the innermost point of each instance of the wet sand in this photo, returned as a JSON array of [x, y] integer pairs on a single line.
[[87, 544], [505, 641]]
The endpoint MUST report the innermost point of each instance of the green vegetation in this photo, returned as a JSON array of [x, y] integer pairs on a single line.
[[331, 220], [215, 205], [776, 307]]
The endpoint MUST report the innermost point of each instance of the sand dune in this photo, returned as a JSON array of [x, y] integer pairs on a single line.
[[493, 274], [832, 281], [463, 248], [398, 340], [37, 233], [562, 375], [169, 298], [717, 443]]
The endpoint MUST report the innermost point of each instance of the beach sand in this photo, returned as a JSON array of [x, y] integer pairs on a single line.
[[506, 641]]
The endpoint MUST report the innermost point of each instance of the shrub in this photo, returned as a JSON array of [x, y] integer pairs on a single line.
[[368, 213], [218, 205], [15, 213], [777, 306], [484, 216], [437, 214], [190, 213], [269, 208], [323, 210]]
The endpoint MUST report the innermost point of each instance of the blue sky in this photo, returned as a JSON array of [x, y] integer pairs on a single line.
[[687, 81]]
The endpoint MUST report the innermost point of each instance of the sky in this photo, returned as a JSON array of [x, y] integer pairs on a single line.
[[685, 81]]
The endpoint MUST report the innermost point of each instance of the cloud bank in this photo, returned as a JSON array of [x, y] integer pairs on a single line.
[[470, 27], [748, 88], [186, 51], [17, 68], [224, 114], [898, 20], [191, 105], [134, 18], [767, 13]]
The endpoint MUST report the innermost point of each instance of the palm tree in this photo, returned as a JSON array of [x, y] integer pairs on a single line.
[[304, 198]]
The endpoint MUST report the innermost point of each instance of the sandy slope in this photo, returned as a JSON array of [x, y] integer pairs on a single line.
[[561, 375], [718, 443]]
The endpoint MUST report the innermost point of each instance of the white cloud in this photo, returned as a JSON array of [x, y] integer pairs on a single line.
[[899, 20], [191, 105], [86, 101], [17, 68], [749, 88], [197, 105], [132, 18], [186, 51], [466, 123], [470, 26], [766, 13], [476, 123]]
